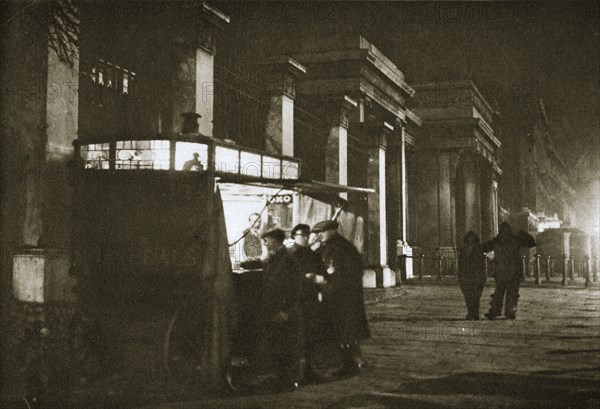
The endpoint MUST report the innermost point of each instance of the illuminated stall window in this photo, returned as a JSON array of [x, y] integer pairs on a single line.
[[271, 167], [250, 164], [95, 156], [226, 160], [186, 159], [142, 155], [289, 169]]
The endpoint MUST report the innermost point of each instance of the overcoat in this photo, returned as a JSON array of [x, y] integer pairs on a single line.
[[471, 264], [343, 300], [309, 262], [507, 261], [282, 291]]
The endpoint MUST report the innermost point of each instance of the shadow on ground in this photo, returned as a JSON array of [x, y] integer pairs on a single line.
[[484, 389]]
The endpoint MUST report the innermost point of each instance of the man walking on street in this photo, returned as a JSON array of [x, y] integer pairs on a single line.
[[471, 273], [508, 271], [343, 302]]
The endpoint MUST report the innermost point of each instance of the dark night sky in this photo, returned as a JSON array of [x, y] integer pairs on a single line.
[[550, 49]]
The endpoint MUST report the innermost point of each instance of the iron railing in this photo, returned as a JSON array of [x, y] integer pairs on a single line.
[[542, 269]]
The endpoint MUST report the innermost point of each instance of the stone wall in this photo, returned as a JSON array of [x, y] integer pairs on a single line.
[[24, 71]]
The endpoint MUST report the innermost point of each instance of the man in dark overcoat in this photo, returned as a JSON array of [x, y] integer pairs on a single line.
[[313, 270], [508, 269], [343, 301], [471, 273], [281, 310]]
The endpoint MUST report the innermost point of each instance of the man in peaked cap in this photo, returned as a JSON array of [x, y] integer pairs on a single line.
[[325, 225], [312, 270], [343, 302], [281, 310]]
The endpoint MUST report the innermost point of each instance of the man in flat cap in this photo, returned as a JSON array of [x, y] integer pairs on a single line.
[[281, 311], [343, 301], [312, 269]]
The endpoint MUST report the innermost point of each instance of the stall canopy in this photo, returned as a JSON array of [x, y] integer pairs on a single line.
[[319, 201]]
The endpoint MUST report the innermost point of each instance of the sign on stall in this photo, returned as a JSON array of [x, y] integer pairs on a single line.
[[281, 199]]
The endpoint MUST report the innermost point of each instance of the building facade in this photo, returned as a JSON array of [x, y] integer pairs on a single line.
[[456, 172], [536, 184]]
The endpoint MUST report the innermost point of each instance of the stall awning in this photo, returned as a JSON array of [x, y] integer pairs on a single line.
[[315, 188]]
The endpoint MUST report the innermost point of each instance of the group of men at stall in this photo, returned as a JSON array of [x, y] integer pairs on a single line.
[[312, 296]]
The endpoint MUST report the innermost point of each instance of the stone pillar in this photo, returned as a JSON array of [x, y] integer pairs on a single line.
[[184, 88], [403, 248], [282, 74], [445, 213], [588, 256], [205, 78], [472, 197], [62, 113], [495, 212], [377, 225], [566, 255], [193, 83], [336, 154], [453, 172], [193, 89], [489, 219], [48, 201]]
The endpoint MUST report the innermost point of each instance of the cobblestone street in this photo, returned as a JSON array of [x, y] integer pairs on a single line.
[[422, 354]]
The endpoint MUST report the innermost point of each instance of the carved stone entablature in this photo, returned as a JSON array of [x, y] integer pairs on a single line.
[[377, 134], [281, 83], [206, 32], [335, 110], [347, 105], [281, 74], [478, 147], [356, 68], [207, 38], [385, 134], [453, 99], [341, 108]]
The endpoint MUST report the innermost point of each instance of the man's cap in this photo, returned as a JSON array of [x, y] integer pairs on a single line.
[[196, 154], [304, 228], [277, 234], [325, 225]]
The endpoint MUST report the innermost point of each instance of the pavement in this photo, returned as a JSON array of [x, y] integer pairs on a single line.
[[423, 354]]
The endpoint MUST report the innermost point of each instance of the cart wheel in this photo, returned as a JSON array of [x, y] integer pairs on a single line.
[[185, 352]]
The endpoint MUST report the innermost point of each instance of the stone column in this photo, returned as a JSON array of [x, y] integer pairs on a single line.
[[445, 213], [48, 201], [454, 161], [193, 82], [377, 225], [566, 255], [495, 205], [193, 90], [588, 257], [336, 151], [472, 196], [403, 248], [205, 78], [62, 113], [488, 200], [282, 74]]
